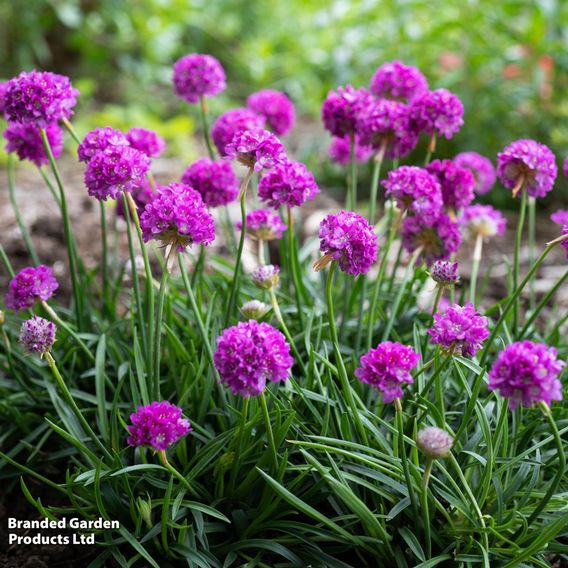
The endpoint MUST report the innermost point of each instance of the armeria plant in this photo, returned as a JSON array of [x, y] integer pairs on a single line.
[[358, 406]]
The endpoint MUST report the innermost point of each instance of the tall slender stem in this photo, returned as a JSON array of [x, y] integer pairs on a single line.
[[104, 259], [477, 252], [269, 432], [292, 258], [205, 126], [424, 504], [49, 186], [351, 201], [239, 439], [532, 236], [517, 259], [402, 454]]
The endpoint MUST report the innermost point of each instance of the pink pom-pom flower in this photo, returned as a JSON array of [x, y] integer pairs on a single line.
[[30, 285]]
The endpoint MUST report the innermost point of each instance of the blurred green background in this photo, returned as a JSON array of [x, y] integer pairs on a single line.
[[506, 59]]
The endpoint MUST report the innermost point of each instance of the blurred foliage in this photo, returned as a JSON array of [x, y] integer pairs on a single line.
[[507, 60]]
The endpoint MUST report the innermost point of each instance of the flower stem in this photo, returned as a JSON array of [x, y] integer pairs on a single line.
[[239, 440], [49, 186], [424, 505], [518, 240], [402, 454], [342, 371], [475, 268], [205, 126], [174, 471], [351, 201], [532, 234], [104, 259], [269, 433], [437, 299], [293, 259], [430, 150]]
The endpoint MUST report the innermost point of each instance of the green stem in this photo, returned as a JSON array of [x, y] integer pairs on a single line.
[[269, 433], [205, 126], [69, 239], [293, 266], [424, 505], [430, 149], [50, 186], [23, 229], [104, 260], [437, 299], [342, 371], [475, 268], [239, 440], [351, 202], [402, 454], [518, 241], [164, 459], [532, 236], [71, 130]]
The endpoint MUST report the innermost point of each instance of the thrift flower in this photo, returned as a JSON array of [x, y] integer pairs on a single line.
[[395, 80], [481, 168], [257, 149], [142, 194], [437, 113], [231, 122], [435, 443], [146, 141], [37, 335], [266, 276], [25, 141], [457, 184], [275, 107], [197, 75], [339, 150], [100, 139], [560, 217], [445, 273], [214, 180], [30, 285], [263, 224], [342, 108], [253, 309], [482, 220]]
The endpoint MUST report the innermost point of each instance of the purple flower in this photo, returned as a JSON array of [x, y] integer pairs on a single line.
[[528, 164], [100, 139], [386, 123], [114, 170], [158, 424], [3, 86], [482, 220], [341, 109], [146, 141], [560, 217], [142, 194], [253, 309], [176, 215], [339, 150], [263, 224], [25, 141], [457, 184], [276, 107], [437, 240], [39, 98], [197, 75], [30, 285], [395, 80], [387, 368], [434, 442], [249, 354], [256, 149], [231, 122], [214, 180], [460, 328], [289, 183], [481, 168], [527, 372], [37, 335], [565, 167], [437, 113], [415, 190], [564, 244], [349, 239], [445, 272], [266, 276]]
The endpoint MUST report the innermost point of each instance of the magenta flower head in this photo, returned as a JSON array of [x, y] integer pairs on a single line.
[[276, 107], [231, 122], [39, 98], [37, 335], [114, 170], [560, 217], [266, 276], [437, 113], [341, 109], [445, 273], [434, 442], [25, 141], [395, 80], [527, 372], [3, 86], [386, 124], [158, 425], [349, 239], [457, 183], [142, 194], [339, 150], [257, 149], [214, 180], [564, 167], [198, 75], [387, 368], [416, 191], [564, 244], [528, 164], [249, 354], [177, 216], [263, 224], [437, 240], [100, 139], [146, 141], [461, 329], [254, 309], [481, 168], [30, 285], [289, 184], [482, 220]]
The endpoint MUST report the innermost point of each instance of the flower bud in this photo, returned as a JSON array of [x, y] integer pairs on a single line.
[[37, 335], [434, 442], [254, 309], [445, 273], [266, 276]]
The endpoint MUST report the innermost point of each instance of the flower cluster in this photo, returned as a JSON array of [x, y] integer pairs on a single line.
[[527, 372], [39, 98], [437, 113], [250, 354], [275, 107], [30, 285], [263, 224], [257, 149], [177, 216], [339, 150], [289, 184], [461, 329], [560, 217], [231, 122], [214, 180], [527, 164], [37, 335], [158, 425], [114, 170], [198, 75], [445, 272], [457, 184], [146, 141], [481, 168], [395, 80], [387, 367], [26, 142], [341, 109], [349, 239], [482, 220], [266, 276], [434, 442], [100, 139]]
